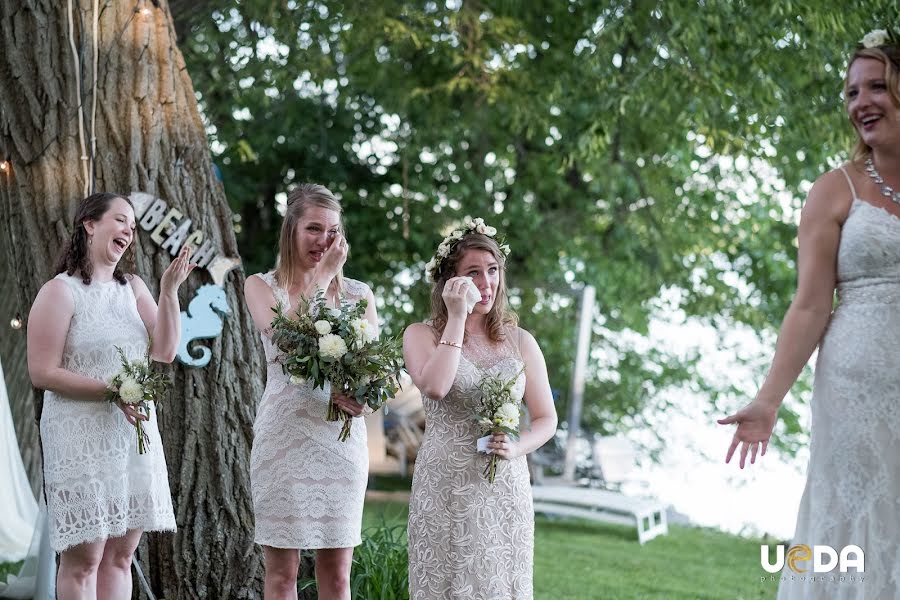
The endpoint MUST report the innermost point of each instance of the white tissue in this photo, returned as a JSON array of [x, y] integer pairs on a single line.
[[482, 444], [473, 296]]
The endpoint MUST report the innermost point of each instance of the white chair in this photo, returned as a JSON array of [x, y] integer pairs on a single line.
[[648, 516]]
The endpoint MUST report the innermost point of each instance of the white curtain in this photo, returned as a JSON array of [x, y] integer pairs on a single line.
[[17, 504], [23, 528]]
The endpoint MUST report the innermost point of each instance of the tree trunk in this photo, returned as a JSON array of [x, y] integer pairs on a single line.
[[149, 137]]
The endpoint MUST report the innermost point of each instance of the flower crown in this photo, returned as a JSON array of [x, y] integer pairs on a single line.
[[446, 246], [877, 38]]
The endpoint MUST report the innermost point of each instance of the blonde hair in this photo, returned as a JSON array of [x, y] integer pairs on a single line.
[[500, 316], [890, 57], [304, 196]]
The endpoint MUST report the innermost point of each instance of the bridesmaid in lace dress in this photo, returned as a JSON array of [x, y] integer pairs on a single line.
[[849, 243], [101, 494], [469, 538], [308, 487]]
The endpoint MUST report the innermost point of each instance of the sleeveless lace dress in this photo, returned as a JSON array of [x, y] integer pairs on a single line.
[[468, 539], [308, 487], [852, 493], [97, 484]]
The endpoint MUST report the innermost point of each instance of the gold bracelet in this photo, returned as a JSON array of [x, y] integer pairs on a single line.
[[454, 344]]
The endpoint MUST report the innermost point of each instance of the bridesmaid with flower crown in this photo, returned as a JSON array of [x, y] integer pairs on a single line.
[[470, 538], [850, 244]]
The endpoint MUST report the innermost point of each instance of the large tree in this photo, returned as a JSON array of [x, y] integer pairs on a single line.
[[656, 150], [101, 94]]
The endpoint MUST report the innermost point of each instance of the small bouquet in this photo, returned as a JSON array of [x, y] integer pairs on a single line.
[[136, 384], [497, 412], [340, 346]]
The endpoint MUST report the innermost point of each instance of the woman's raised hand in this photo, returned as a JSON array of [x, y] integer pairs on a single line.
[[454, 296], [334, 257], [177, 272]]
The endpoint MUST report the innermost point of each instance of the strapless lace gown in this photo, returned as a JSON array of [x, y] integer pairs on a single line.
[[852, 493], [468, 539], [308, 488]]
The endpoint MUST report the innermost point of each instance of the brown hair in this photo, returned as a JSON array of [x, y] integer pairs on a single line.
[[890, 57], [73, 256], [500, 316], [301, 198]]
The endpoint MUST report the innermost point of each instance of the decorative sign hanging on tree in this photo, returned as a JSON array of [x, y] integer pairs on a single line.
[[169, 229]]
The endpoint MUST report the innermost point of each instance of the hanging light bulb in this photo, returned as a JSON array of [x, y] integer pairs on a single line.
[[4, 166]]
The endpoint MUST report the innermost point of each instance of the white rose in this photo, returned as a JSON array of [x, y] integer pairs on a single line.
[[875, 38], [478, 221], [322, 326], [482, 229], [431, 265], [444, 249], [456, 234], [332, 346], [130, 391], [335, 312], [295, 380], [490, 231], [508, 415]]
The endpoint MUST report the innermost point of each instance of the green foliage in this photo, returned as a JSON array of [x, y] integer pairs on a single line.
[[606, 561], [11, 568], [380, 564], [637, 146]]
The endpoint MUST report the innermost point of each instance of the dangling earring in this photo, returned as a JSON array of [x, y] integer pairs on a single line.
[[90, 240]]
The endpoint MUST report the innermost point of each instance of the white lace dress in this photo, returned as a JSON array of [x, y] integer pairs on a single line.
[[470, 539], [97, 484], [308, 487], [852, 493]]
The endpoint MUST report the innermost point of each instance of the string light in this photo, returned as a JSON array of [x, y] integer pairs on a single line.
[[4, 166], [16, 323]]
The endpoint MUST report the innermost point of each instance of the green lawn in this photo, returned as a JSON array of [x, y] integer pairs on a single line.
[[580, 560]]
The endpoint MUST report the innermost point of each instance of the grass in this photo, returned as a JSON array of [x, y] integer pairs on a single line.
[[581, 560]]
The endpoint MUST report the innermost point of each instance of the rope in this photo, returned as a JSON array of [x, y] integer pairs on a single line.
[[76, 63], [94, 92]]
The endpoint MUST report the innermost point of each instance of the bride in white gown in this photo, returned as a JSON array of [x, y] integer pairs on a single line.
[[849, 243]]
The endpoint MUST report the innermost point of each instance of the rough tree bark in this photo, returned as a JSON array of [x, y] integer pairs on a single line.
[[149, 137]]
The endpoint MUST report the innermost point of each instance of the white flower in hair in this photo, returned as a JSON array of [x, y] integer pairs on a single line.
[[476, 225], [875, 38]]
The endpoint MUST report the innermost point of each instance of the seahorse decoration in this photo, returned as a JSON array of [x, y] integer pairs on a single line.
[[202, 321]]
